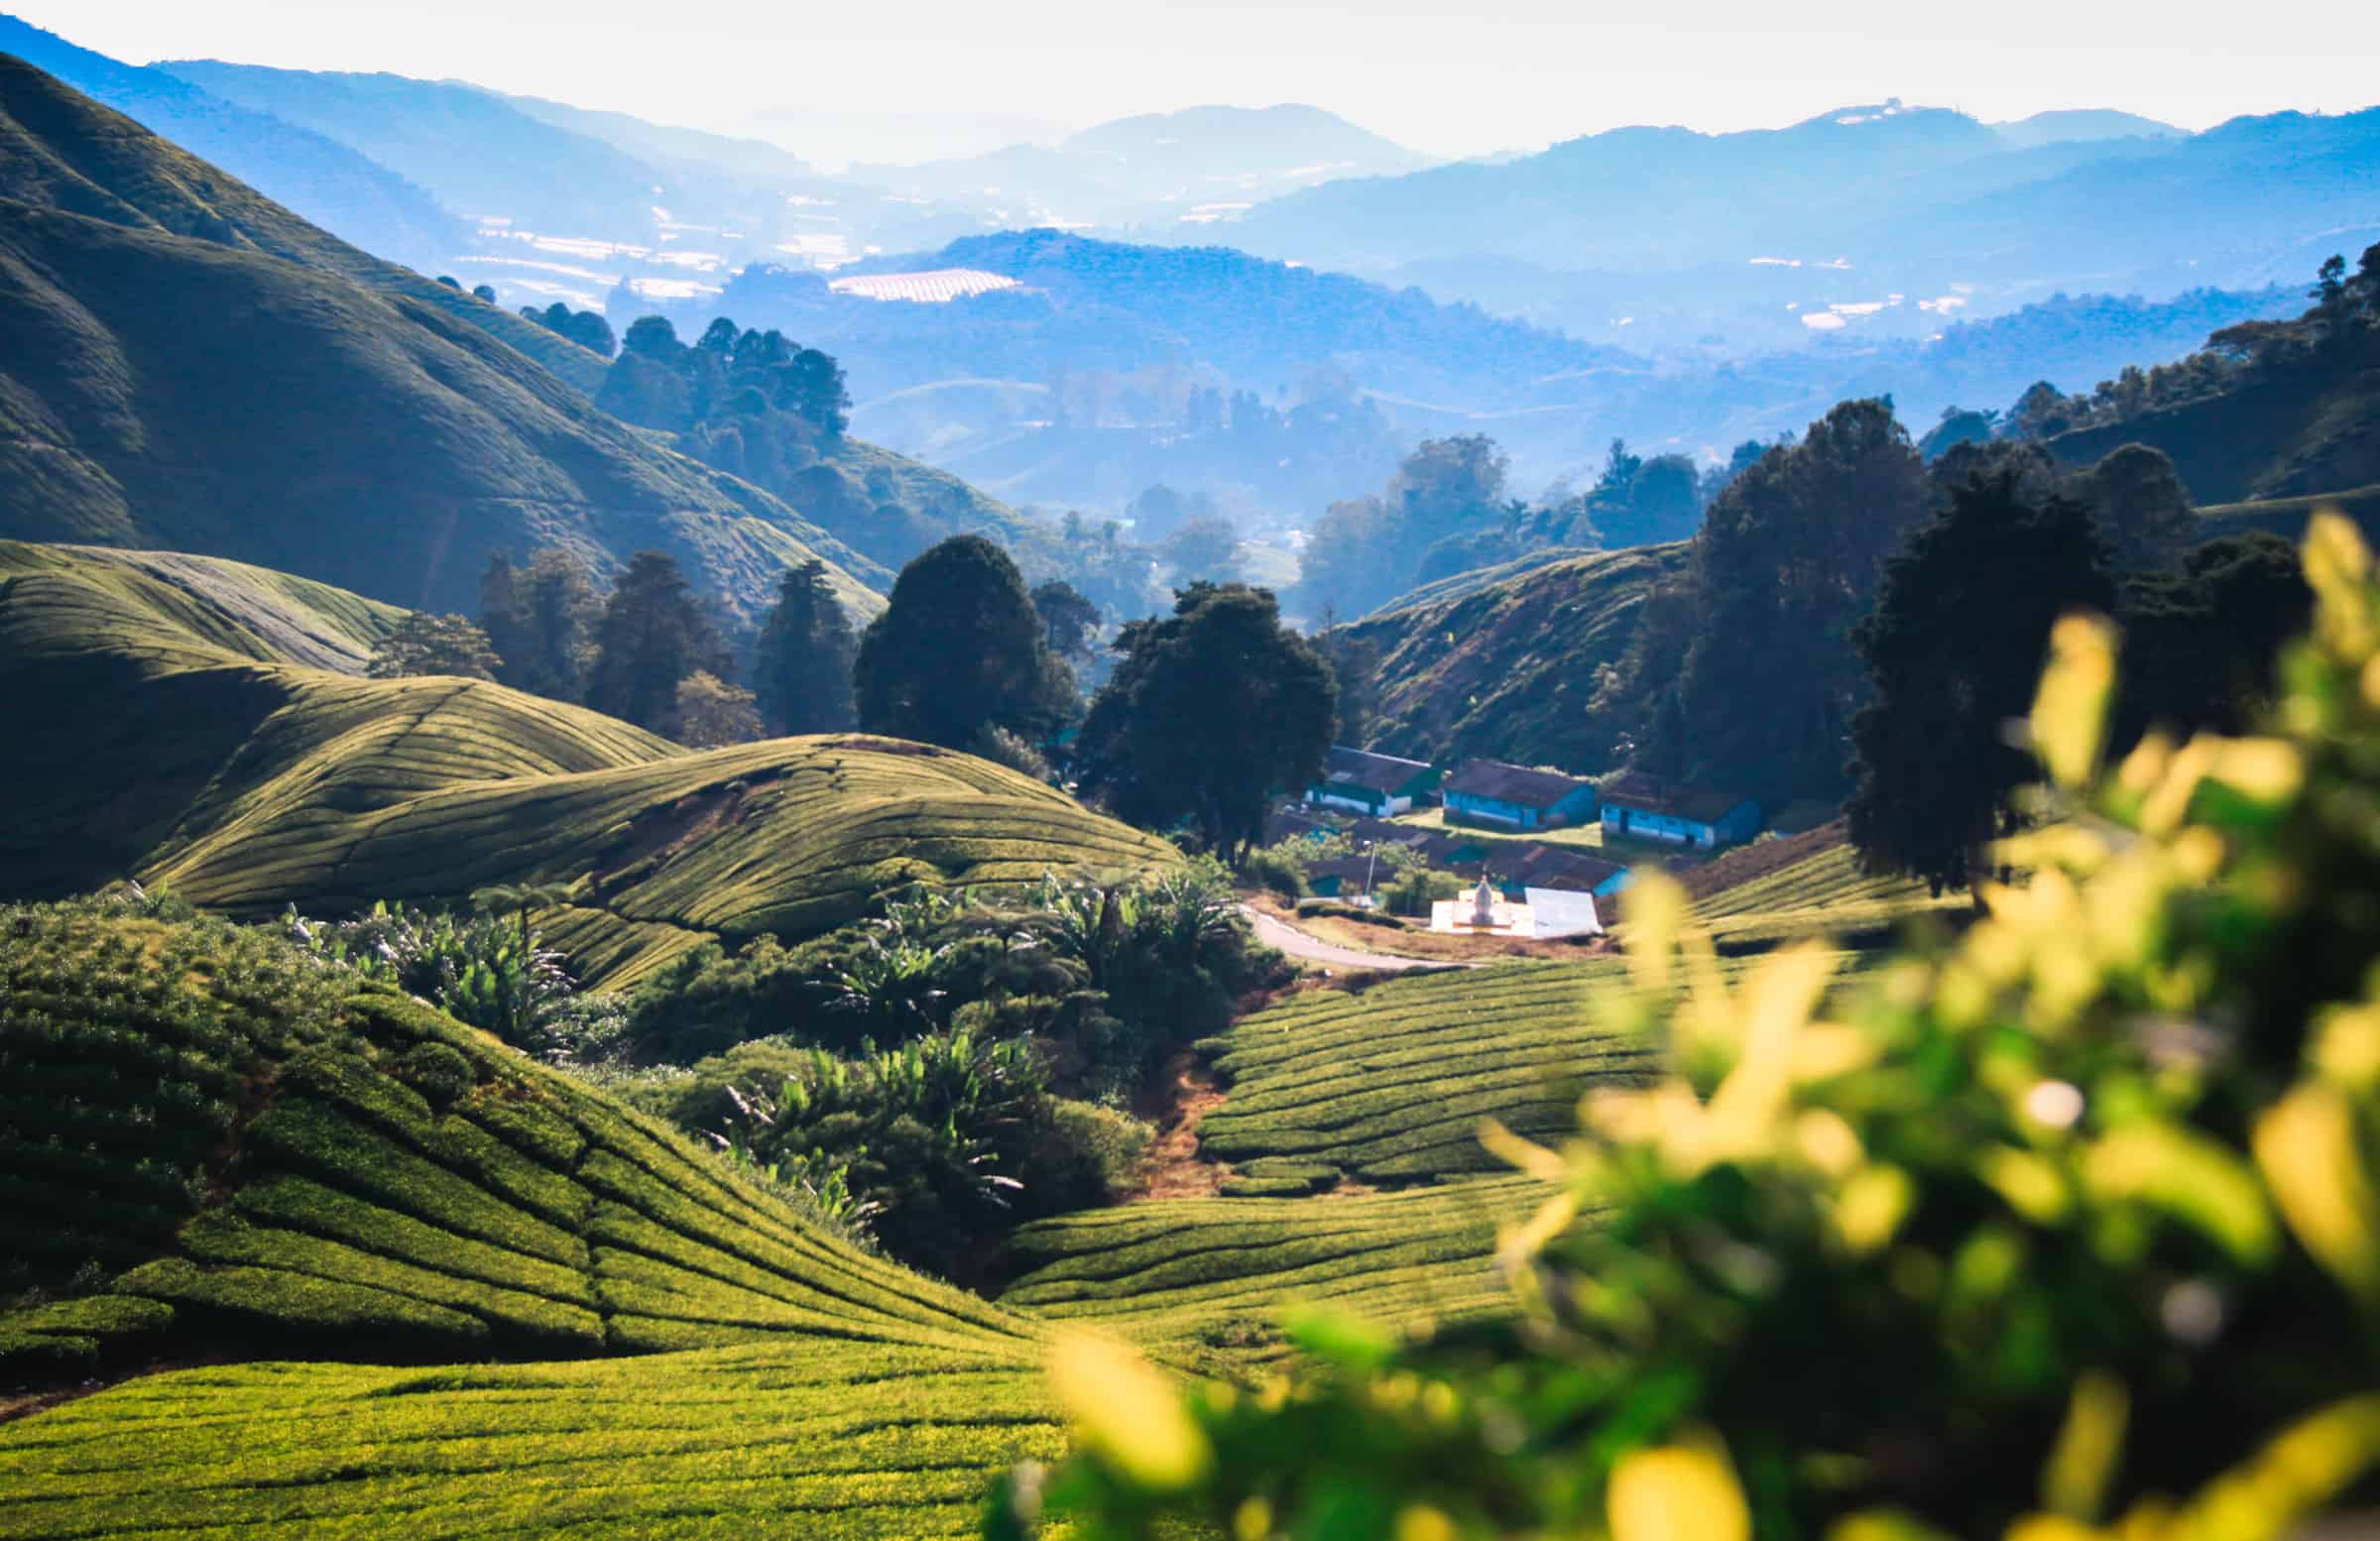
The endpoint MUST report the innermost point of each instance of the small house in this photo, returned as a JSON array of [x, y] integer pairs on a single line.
[[1643, 807], [1488, 791], [1377, 785]]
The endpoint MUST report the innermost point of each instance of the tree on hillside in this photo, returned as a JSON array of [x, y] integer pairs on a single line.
[[1952, 651], [711, 713], [2142, 507], [1959, 426], [653, 634], [959, 646], [1069, 620], [804, 658], [2199, 641], [424, 644], [541, 620], [1356, 671], [1210, 709], [1787, 561], [587, 328], [1206, 548]]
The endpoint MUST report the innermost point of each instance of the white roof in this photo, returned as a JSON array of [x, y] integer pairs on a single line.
[[1562, 912]]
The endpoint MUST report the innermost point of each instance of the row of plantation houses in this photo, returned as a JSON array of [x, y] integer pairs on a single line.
[[1522, 799]]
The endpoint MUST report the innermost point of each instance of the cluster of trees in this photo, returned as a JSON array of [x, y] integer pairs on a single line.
[[1964, 613], [2340, 325], [649, 651], [1448, 510], [1852, 619], [751, 402], [587, 328]]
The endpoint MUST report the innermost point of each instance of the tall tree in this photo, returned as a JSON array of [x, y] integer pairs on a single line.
[[499, 614], [653, 634], [1356, 671], [805, 653], [1786, 563], [1954, 649], [2143, 509], [1069, 620], [540, 619], [2200, 643], [959, 646], [1210, 709]]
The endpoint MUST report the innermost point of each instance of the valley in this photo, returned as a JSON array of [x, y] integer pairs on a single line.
[[1185, 822]]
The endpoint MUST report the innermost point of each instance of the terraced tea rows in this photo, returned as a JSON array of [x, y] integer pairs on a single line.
[[1217, 1273], [1391, 1085], [254, 1158], [1821, 894], [823, 1440], [183, 747]]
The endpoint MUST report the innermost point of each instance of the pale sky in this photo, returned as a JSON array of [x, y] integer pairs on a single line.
[[1520, 74]]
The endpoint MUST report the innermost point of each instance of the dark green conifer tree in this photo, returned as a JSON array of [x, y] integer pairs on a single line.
[[802, 673], [653, 634]]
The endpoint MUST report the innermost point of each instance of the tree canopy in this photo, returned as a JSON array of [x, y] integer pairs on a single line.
[[960, 646], [803, 661], [1786, 563], [1953, 651], [1209, 710], [653, 634]]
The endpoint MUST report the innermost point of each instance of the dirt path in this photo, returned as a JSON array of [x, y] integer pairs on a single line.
[[1274, 932], [1173, 1168]]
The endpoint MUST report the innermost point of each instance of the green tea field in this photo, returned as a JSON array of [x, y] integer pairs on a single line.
[[1389, 1084], [191, 746], [1214, 1273]]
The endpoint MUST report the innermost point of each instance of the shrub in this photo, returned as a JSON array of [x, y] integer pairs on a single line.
[[2072, 1221], [485, 970], [437, 1071], [1276, 868], [933, 1148]]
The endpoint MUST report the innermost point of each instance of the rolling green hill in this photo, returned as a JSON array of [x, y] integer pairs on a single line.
[[194, 366], [1506, 668], [1214, 1273], [1804, 885], [1391, 1085], [231, 1151], [183, 745]]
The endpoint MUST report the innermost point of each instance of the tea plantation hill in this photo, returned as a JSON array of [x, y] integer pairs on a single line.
[[1467, 669], [184, 740], [242, 1154], [195, 367]]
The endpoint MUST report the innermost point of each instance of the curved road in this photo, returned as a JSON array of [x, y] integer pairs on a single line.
[[1280, 934]]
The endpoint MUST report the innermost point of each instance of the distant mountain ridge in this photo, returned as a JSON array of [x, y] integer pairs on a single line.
[[1174, 170], [316, 175], [194, 366]]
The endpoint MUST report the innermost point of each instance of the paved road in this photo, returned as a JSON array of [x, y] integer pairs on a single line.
[[1298, 944]]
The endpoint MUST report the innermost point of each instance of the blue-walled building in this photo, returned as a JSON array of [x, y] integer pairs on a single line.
[[1488, 791], [1641, 808]]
